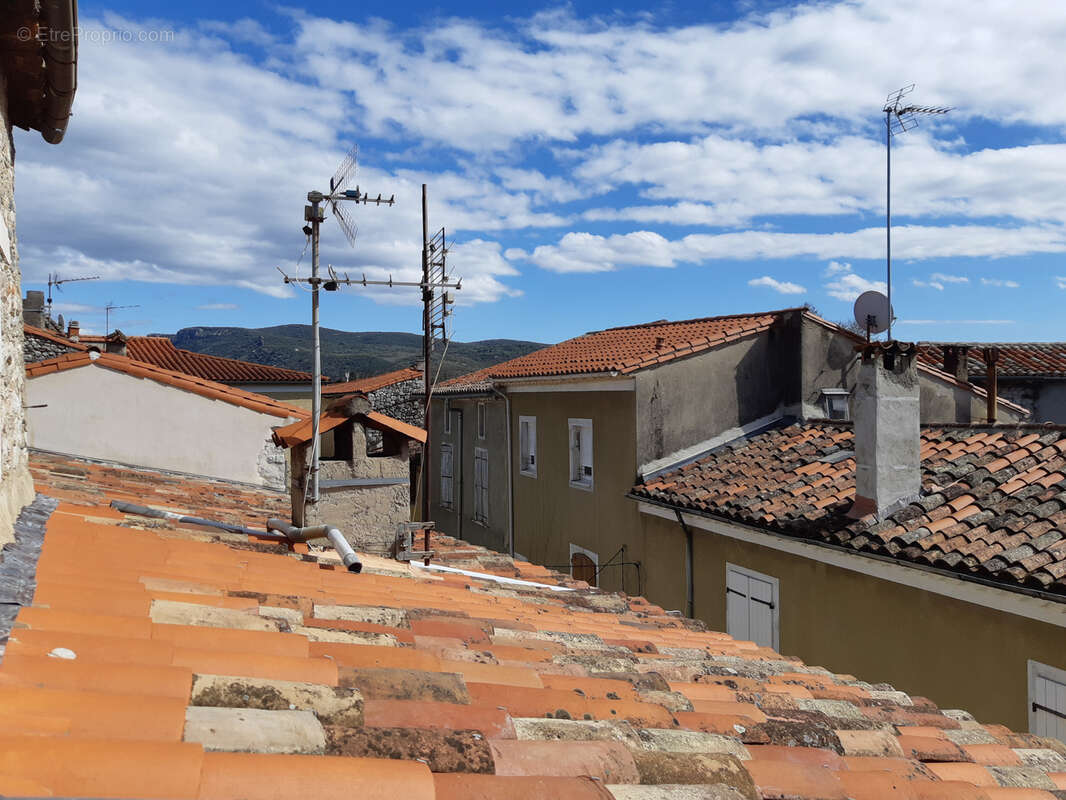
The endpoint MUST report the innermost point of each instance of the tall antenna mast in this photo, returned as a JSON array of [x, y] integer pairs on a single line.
[[900, 117], [107, 315], [56, 281]]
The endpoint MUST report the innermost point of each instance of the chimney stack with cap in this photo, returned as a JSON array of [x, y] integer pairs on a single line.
[[33, 309], [886, 408], [73, 330]]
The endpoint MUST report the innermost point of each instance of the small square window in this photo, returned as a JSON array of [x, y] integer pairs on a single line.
[[835, 403]]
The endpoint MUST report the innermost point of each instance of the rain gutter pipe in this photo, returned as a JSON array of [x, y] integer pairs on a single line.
[[510, 469]]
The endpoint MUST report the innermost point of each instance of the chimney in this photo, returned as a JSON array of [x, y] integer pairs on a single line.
[[33, 309], [957, 361], [116, 343], [886, 409], [73, 330], [991, 357]]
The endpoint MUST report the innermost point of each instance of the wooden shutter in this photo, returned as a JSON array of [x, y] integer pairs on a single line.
[[446, 475], [1049, 708]]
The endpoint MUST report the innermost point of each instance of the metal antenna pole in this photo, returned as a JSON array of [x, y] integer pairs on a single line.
[[899, 118], [316, 353], [427, 351], [107, 315]]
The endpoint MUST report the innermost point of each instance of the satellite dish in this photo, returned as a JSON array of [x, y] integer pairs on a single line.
[[872, 312]]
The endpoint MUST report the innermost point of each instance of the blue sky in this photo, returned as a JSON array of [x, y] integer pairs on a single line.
[[595, 164]]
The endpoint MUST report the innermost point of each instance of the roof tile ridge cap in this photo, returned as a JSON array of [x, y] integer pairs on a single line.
[[47, 362], [58, 338], [668, 322]]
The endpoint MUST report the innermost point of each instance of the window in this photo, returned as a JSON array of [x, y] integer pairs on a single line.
[[481, 420], [527, 439], [446, 480], [1047, 701], [481, 485], [835, 403], [581, 453], [447, 415], [751, 606], [584, 565]]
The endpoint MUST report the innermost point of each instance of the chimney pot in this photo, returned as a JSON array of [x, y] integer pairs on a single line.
[[886, 408], [74, 330]]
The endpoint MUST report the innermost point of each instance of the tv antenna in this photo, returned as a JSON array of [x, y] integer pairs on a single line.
[[107, 315], [314, 214], [873, 313], [57, 282], [900, 117]]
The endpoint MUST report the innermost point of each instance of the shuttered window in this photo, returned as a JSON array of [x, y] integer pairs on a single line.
[[1047, 701], [751, 606], [447, 482], [481, 484]]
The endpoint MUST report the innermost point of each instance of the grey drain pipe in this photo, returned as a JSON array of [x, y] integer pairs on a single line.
[[336, 538], [690, 589], [510, 469]]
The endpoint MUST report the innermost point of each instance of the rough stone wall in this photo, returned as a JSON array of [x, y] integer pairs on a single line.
[[400, 401], [16, 487], [38, 348], [366, 515], [272, 464]]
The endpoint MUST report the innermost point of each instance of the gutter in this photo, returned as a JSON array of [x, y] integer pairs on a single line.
[[60, 22], [1037, 594], [510, 470], [690, 578]]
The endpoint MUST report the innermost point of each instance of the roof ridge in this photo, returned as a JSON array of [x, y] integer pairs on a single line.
[[170, 343], [664, 322]]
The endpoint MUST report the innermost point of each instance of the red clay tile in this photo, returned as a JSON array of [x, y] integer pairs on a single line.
[[360, 655], [992, 755], [232, 641], [610, 762], [489, 720], [77, 675], [102, 715], [251, 665], [931, 748], [495, 787], [91, 648], [782, 779], [967, 773]]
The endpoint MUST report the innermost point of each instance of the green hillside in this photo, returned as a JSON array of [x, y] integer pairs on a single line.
[[360, 354]]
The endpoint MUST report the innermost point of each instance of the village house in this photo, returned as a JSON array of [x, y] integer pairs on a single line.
[[112, 408], [535, 455], [38, 78], [1032, 374]]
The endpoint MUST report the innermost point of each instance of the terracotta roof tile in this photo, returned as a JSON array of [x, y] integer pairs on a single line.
[[1016, 359], [161, 352], [998, 521], [336, 414], [111, 720], [180, 380], [374, 382], [55, 338]]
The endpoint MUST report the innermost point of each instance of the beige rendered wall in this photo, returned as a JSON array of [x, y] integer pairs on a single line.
[[16, 487], [550, 515], [958, 654], [99, 413]]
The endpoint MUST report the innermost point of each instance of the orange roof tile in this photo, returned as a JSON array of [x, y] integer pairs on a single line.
[[299, 432], [55, 338], [179, 380], [373, 383], [94, 701], [626, 349], [161, 352]]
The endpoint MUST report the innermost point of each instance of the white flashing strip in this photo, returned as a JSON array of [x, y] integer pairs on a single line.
[[485, 576], [988, 596], [615, 385], [679, 457]]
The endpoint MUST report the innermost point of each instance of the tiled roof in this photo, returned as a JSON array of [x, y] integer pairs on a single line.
[[373, 383], [627, 349], [30, 330], [180, 380], [1016, 359], [993, 504], [161, 351], [300, 432], [195, 664]]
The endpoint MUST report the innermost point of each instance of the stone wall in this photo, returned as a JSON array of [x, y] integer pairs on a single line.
[[402, 401], [37, 348], [16, 487]]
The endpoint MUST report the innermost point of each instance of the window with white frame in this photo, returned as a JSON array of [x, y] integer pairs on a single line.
[[481, 484], [751, 606], [1047, 701], [447, 482], [447, 415], [481, 420], [527, 445], [580, 432], [835, 403]]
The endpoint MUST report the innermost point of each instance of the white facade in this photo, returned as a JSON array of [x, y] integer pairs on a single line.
[[94, 412]]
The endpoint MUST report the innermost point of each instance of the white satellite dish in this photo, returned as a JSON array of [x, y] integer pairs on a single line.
[[872, 312]]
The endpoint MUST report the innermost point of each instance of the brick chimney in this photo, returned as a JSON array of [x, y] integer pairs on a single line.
[[74, 330], [886, 409], [33, 309]]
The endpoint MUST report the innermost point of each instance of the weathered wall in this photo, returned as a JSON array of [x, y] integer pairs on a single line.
[[16, 487], [1046, 397], [99, 413], [458, 519], [399, 401], [693, 399], [549, 513], [37, 348], [368, 516], [958, 654]]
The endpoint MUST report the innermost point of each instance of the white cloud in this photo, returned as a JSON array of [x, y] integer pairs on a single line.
[[784, 287], [1000, 283], [218, 307], [1060, 281], [849, 286], [928, 284], [940, 277], [955, 322], [836, 268]]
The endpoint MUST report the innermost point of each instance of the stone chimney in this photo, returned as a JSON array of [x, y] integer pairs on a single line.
[[956, 361], [74, 330], [116, 343], [33, 309], [886, 409]]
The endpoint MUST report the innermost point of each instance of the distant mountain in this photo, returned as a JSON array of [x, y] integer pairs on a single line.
[[360, 354]]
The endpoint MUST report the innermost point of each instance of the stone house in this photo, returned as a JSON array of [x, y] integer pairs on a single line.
[[536, 455], [365, 491], [817, 537], [112, 408], [38, 77]]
